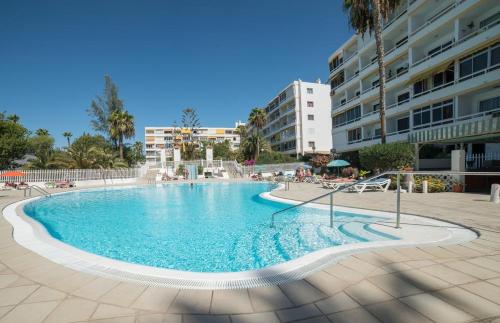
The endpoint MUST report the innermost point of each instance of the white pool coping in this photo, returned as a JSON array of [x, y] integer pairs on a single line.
[[32, 235]]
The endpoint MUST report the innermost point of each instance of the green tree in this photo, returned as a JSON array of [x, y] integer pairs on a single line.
[[382, 157], [102, 107], [135, 153], [13, 142], [82, 152], [191, 122], [42, 146], [121, 125], [68, 136], [252, 145], [241, 131], [14, 118], [368, 16], [257, 119], [42, 132]]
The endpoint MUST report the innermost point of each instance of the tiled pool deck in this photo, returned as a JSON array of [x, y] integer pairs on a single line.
[[453, 283]]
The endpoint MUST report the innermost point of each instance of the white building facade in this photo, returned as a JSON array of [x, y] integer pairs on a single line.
[[442, 59], [158, 139], [298, 119]]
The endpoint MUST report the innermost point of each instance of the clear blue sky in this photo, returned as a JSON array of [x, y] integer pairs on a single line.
[[220, 57]]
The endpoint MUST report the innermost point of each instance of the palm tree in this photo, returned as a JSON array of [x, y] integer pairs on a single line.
[[257, 119], [68, 135], [121, 125], [241, 131], [14, 118], [367, 15], [42, 132], [253, 144]]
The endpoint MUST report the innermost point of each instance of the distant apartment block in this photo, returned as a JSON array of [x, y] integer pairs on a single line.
[[443, 83], [298, 119], [164, 138]]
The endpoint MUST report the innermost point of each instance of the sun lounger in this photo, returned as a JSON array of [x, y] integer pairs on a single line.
[[381, 184]]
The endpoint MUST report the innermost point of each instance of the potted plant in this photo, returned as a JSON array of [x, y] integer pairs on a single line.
[[363, 173], [457, 187]]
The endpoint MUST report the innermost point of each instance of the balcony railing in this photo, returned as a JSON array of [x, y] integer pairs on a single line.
[[343, 62], [442, 49], [438, 15], [478, 115]]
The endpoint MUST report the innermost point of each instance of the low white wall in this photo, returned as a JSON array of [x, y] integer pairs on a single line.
[[96, 182]]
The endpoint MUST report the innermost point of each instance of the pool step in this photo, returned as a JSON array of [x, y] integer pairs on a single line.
[[363, 232]]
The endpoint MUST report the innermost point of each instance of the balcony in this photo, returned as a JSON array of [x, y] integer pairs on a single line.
[[344, 62], [437, 15]]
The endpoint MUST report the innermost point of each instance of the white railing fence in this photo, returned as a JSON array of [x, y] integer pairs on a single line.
[[270, 168], [48, 175], [478, 161]]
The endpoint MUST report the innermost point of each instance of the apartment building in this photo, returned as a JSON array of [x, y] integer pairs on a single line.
[[298, 119], [443, 83], [165, 138]]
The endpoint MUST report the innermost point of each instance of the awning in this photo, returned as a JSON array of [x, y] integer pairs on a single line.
[[463, 132]]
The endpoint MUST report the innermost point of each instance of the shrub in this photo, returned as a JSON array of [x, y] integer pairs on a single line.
[[387, 156], [434, 184], [273, 157], [200, 170], [180, 170]]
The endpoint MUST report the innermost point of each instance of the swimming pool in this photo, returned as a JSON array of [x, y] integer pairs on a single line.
[[207, 227]]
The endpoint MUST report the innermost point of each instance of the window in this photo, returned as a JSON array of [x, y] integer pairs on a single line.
[[310, 117], [442, 111], [489, 20], [473, 63], [445, 77], [375, 83], [495, 55], [310, 90], [282, 96], [337, 81], [419, 87], [354, 135], [348, 116], [404, 124], [421, 117], [489, 104], [311, 144], [310, 104], [375, 107], [404, 97]]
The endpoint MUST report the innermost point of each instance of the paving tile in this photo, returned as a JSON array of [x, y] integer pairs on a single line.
[[395, 267], [5, 309], [49, 273], [463, 251], [129, 319], [73, 282], [336, 303], [422, 280], [33, 313], [351, 316], [14, 295], [415, 253], [123, 294], [393, 255], [231, 302], [72, 310], [436, 309], [299, 313], [394, 285], [21, 281], [319, 319], [486, 263], [358, 265], [447, 274], [373, 258], [44, 294], [495, 281], [205, 319], [344, 273], [192, 302], [268, 298], [156, 299], [301, 292], [96, 288], [395, 311], [472, 269], [159, 318], [420, 263], [110, 311], [439, 252], [484, 289], [268, 317], [327, 283], [468, 302], [6, 280], [367, 293]]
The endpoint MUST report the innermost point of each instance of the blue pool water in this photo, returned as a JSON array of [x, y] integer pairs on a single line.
[[210, 227]]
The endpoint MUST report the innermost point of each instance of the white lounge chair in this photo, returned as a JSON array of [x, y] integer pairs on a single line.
[[380, 184]]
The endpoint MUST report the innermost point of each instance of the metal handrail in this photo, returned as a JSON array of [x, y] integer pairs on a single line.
[[323, 195], [398, 190], [38, 189]]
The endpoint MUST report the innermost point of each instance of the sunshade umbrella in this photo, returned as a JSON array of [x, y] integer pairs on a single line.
[[306, 166], [13, 173], [338, 163]]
